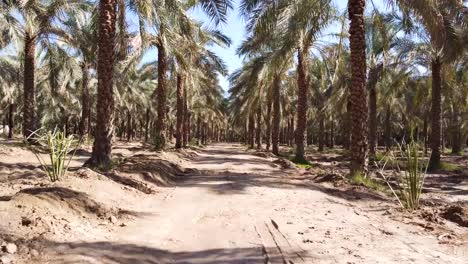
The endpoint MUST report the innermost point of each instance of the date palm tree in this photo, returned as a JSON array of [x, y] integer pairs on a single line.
[[298, 24], [33, 22], [357, 95], [444, 31]]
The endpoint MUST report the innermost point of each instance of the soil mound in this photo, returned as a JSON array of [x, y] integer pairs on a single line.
[[57, 199], [457, 213]]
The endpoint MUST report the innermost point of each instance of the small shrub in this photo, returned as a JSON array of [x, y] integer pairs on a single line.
[[409, 181], [302, 163], [358, 178], [57, 146], [445, 166], [158, 142]]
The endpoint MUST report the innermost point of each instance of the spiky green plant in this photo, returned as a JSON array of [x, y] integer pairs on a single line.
[[410, 182], [56, 145], [414, 175]]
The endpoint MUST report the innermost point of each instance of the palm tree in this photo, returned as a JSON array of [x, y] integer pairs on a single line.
[[357, 94], [443, 22], [34, 22], [102, 147], [297, 24]]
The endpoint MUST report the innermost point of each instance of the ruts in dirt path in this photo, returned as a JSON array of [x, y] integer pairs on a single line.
[[241, 208]]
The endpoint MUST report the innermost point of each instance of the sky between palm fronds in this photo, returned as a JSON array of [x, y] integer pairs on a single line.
[[235, 29]]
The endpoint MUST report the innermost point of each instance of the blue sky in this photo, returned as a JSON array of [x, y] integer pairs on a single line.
[[235, 29]]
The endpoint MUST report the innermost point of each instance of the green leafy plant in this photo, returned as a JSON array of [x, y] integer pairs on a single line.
[[56, 145], [410, 181]]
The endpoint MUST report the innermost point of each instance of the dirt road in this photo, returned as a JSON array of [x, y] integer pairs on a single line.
[[243, 208]]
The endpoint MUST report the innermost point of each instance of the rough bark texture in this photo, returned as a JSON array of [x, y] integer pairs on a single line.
[[276, 116], [29, 102], [436, 118], [321, 132], [358, 100], [85, 101], [185, 127], [147, 124], [129, 125], [372, 120], [258, 131], [11, 120], [302, 85], [388, 129], [252, 130], [456, 132], [332, 133], [161, 96], [101, 156], [268, 126], [180, 111]]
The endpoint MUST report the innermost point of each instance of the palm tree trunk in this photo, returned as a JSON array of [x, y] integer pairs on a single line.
[[258, 131], [147, 124], [129, 125], [29, 103], [302, 85], [268, 126], [180, 112], [199, 130], [189, 126], [11, 120], [436, 118], [185, 119], [321, 131], [388, 129], [102, 148], [251, 130], [358, 100], [372, 120], [85, 100], [456, 132], [276, 116], [161, 95], [332, 133]]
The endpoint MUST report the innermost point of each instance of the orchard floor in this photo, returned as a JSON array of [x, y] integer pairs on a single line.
[[218, 204]]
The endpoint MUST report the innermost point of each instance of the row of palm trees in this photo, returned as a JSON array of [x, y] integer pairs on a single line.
[[292, 82], [372, 72], [56, 55]]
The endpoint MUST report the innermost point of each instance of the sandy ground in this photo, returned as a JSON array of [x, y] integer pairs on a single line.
[[231, 207]]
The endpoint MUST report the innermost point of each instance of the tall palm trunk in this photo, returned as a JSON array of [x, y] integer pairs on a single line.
[[372, 120], [129, 125], [388, 129], [185, 127], [268, 126], [332, 133], [321, 132], [161, 95], [102, 148], [85, 101], [199, 130], [252, 130], [180, 111], [436, 118], [11, 120], [456, 132], [276, 116], [147, 124], [358, 100], [29, 103], [258, 131], [302, 85]]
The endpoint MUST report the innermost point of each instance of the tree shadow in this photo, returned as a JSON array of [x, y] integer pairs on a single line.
[[106, 252]]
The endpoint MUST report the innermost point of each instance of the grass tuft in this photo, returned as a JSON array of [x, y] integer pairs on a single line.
[[359, 179]]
